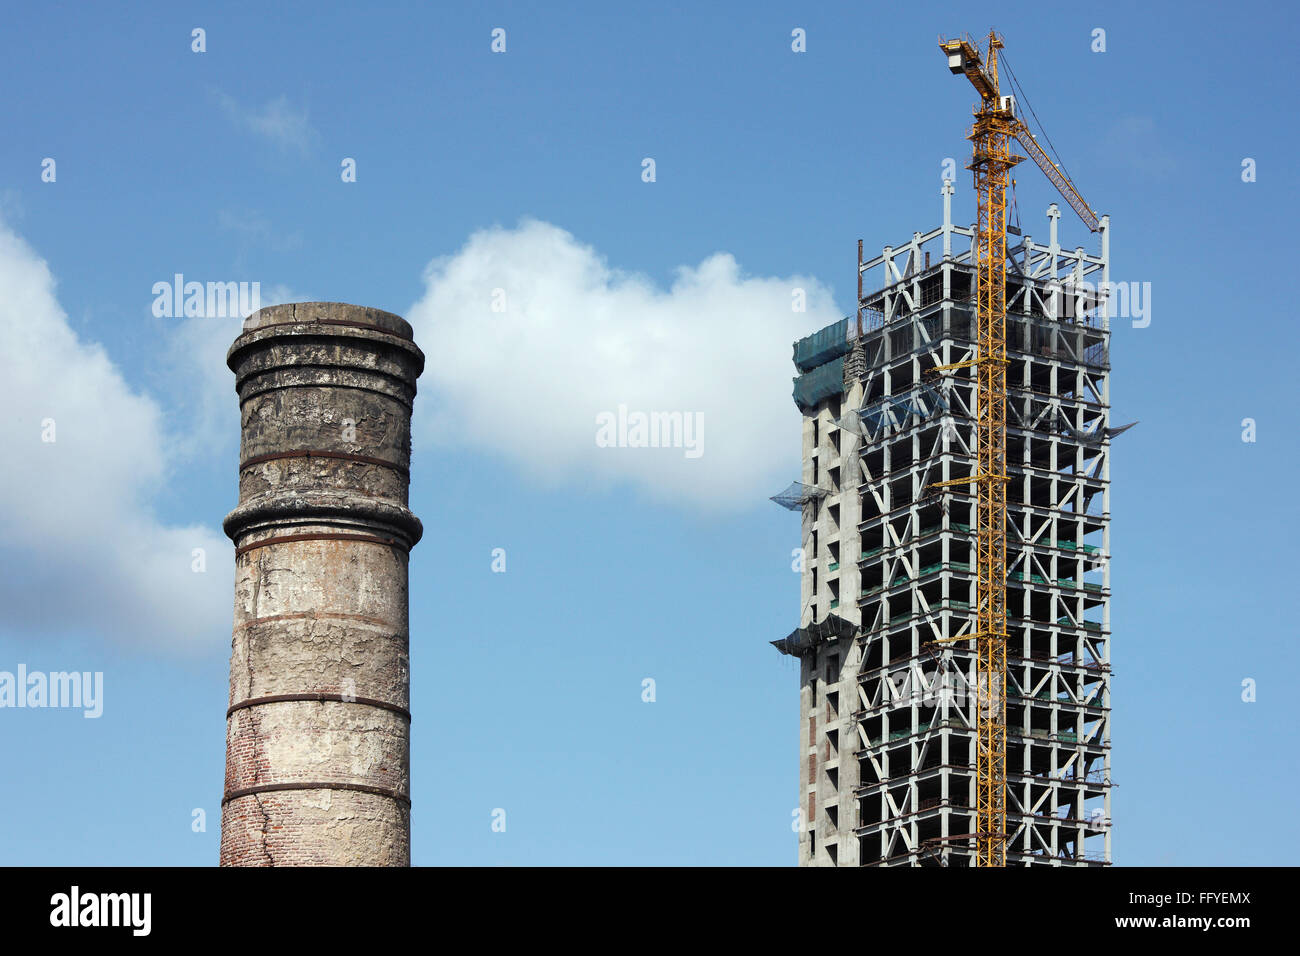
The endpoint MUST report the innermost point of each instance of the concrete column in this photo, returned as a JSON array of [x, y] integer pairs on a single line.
[[318, 731]]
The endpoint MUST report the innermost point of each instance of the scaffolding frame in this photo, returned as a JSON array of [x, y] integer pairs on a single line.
[[890, 720]]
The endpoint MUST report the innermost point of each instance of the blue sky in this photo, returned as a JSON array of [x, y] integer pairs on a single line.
[[524, 168]]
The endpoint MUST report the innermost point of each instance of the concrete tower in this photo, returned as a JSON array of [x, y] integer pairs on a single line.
[[318, 730]]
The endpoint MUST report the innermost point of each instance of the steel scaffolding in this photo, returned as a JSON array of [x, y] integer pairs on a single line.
[[890, 703]]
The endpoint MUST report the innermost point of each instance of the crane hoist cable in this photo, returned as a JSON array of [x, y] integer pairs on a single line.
[[1020, 93]]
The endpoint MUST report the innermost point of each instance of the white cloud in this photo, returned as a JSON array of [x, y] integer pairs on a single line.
[[84, 552], [81, 547], [277, 121], [579, 338]]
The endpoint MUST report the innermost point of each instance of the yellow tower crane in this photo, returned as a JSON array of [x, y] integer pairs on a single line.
[[996, 124]]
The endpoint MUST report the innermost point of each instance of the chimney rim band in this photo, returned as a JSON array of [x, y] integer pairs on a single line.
[[318, 696], [358, 787]]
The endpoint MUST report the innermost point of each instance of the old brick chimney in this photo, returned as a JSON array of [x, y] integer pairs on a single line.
[[318, 730]]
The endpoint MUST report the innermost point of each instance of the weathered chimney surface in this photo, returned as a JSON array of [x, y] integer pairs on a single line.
[[318, 731]]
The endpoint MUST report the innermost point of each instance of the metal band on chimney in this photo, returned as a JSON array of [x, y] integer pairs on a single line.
[[318, 696], [354, 787]]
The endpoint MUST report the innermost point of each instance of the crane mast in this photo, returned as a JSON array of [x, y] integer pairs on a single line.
[[995, 126]]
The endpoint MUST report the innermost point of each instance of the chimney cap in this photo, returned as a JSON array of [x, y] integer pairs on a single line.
[[329, 313]]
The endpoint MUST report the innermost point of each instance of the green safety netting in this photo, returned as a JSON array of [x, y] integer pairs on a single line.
[[822, 346], [819, 384], [797, 494]]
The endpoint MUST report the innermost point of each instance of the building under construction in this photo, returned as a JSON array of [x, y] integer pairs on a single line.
[[889, 716]]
